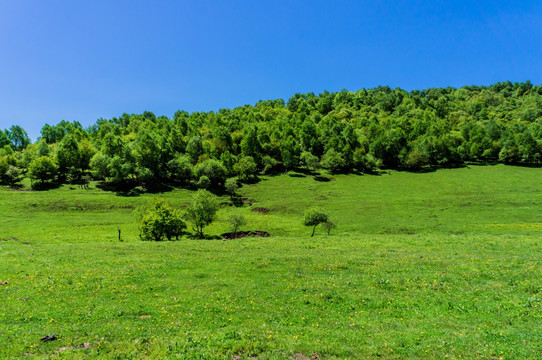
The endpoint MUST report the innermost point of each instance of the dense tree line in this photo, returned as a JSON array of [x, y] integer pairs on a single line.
[[342, 131]]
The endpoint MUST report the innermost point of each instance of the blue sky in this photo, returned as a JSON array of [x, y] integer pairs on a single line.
[[82, 60]]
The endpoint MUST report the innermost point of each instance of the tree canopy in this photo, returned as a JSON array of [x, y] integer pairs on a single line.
[[341, 132]]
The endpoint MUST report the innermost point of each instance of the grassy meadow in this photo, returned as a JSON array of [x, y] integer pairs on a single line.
[[444, 265]]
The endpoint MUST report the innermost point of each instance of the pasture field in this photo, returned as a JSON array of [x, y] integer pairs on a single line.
[[443, 265]]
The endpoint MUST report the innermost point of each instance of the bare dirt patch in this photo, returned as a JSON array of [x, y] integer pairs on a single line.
[[242, 234], [260, 209], [49, 338]]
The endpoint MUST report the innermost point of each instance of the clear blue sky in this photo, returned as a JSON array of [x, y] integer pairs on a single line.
[[82, 60]]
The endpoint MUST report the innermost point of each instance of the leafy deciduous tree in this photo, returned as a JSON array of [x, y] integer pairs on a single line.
[[202, 211], [313, 217]]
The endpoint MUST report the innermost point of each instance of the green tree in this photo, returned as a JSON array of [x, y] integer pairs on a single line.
[[290, 153], [250, 145], [236, 221], [68, 155], [194, 148], [313, 217], [28, 154], [246, 168], [18, 137], [204, 182], [99, 165], [43, 148], [416, 159], [202, 211], [229, 161], [333, 161], [119, 169], [4, 138], [212, 169], [86, 152], [9, 173], [7, 150], [159, 221], [147, 152], [181, 169], [231, 187], [269, 164], [42, 168], [309, 161]]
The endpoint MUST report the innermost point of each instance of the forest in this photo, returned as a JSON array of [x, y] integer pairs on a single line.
[[347, 131]]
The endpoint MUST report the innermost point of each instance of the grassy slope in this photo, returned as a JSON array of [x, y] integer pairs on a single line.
[[443, 264]]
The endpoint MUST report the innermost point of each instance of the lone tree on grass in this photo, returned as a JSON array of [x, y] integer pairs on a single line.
[[202, 211], [236, 221], [314, 217], [159, 221], [329, 224]]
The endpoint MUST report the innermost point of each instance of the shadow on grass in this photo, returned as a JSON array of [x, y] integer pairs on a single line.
[[132, 188], [158, 187], [128, 189], [322, 178], [250, 181], [46, 186], [15, 187], [433, 168]]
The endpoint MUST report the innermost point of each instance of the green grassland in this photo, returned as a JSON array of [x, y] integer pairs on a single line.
[[445, 264]]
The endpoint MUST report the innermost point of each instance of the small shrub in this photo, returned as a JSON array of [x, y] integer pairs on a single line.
[[236, 221], [329, 224], [160, 221], [231, 187]]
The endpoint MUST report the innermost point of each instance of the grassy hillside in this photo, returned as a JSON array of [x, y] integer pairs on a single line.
[[440, 265]]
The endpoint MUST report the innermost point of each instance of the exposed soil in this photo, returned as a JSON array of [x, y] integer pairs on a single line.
[[242, 234], [260, 209], [49, 338]]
